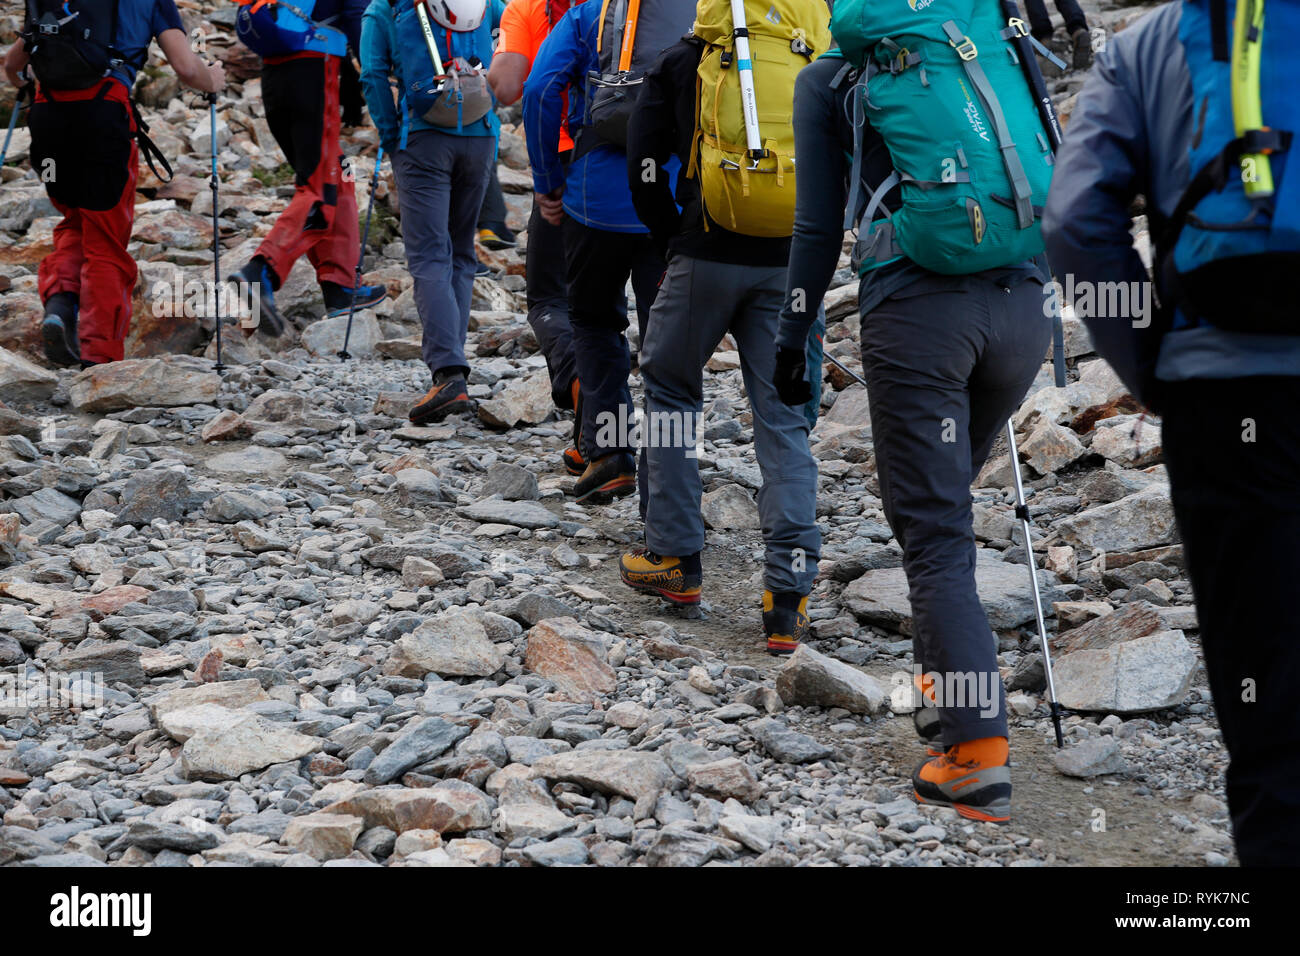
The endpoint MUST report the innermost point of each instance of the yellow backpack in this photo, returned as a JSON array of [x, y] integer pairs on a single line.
[[748, 191]]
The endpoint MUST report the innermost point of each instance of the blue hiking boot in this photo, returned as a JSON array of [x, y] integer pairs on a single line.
[[339, 299], [257, 274]]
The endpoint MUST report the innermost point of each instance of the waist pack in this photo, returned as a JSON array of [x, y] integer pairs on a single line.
[[630, 36], [744, 139], [942, 83], [279, 28], [444, 72], [1232, 246]]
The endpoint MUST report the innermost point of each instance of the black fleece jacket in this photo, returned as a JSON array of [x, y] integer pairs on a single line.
[[663, 125]]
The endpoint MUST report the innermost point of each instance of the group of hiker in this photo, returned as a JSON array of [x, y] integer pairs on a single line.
[[662, 137]]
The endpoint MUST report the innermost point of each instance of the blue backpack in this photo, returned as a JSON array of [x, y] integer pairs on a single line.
[[279, 28], [1232, 246], [443, 72]]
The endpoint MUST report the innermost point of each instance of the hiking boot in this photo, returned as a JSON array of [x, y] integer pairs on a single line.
[[974, 778], [59, 329], [605, 479], [338, 299], [447, 397], [572, 458], [258, 275], [676, 579], [1081, 44], [496, 238], [785, 620], [573, 461]]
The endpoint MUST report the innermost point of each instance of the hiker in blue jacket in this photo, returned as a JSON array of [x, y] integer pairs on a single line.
[[442, 173], [604, 243], [1229, 398]]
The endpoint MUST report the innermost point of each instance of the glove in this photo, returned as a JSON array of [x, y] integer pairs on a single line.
[[791, 376]]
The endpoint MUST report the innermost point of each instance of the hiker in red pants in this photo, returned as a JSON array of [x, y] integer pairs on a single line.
[[86, 138], [301, 78]]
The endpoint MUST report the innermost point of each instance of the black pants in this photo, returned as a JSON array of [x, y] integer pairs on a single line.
[[492, 214], [293, 93], [1233, 451], [1040, 22], [947, 360], [548, 305], [599, 264]]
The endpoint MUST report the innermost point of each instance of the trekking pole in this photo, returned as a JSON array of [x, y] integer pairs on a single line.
[[13, 119], [1022, 512], [216, 231], [344, 355], [749, 105]]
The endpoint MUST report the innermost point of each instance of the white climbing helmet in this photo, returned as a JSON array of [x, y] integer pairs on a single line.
[[460, 16]]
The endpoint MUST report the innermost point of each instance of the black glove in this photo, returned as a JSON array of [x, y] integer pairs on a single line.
[[791, 376]]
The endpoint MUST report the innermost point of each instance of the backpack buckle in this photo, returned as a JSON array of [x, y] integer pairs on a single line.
[[966, 49], [1018, 27]]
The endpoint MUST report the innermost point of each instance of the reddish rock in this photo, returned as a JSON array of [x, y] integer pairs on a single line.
[[572, 657], [228, 426]]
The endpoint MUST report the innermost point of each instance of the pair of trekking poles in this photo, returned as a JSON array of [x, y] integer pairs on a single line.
[[1047, 115]]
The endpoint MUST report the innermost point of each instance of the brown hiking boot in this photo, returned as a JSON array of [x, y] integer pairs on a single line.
[[446, 398]]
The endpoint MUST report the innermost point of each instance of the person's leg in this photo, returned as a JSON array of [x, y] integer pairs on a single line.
[[816, 357], [918, 372], [689, 318], [60, 271], [108, 274], [1232, 447], [1020, 334], [491, 219], [335, 249], [787, 502], [1040, 21], [1073, 15], [424, 171], [470, 172], [598, 263], [548, 305], [295, 94]]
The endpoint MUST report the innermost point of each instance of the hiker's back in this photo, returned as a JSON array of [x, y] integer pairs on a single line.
[[443, 68], [942, 83]]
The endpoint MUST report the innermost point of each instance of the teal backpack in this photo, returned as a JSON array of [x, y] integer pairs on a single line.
[[943, 84]]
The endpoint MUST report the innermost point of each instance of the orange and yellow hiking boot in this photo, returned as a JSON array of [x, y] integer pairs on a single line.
[[785, 620], [675, 579], [445, 398], [572, 458], [973, 777], [606, 479]]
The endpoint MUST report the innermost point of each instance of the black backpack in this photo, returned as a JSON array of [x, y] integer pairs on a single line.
[[71, 43]]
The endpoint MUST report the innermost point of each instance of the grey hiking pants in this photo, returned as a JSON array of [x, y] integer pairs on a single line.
[[947, 360], [698, 303], [440, 183]]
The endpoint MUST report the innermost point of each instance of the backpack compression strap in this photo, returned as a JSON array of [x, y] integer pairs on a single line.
[[1020, 188]]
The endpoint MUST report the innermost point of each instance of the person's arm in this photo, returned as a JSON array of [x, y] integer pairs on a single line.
[[1100, 169], [559, 62], [651, 138], [506, 76], [190, 69], [376, 68], [15, 63], [353, 13], [820, 198]]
